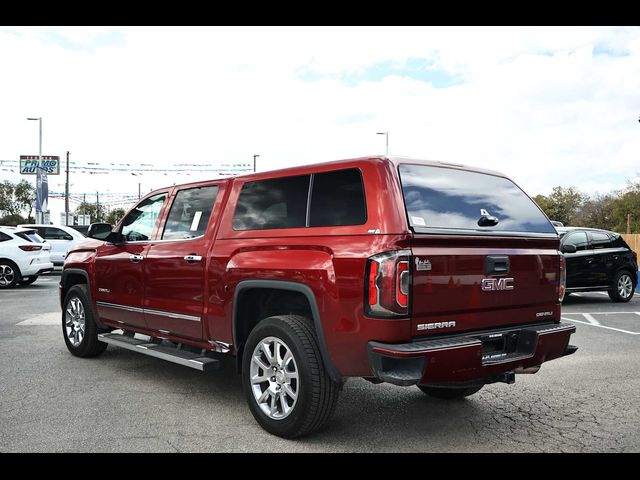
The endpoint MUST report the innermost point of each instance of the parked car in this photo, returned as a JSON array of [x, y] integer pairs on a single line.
[[23, 256], [60, 237], [599, 260], [395, 270]]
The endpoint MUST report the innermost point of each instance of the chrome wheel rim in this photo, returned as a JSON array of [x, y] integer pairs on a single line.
[[625, 286], [7, 275], [74, 321], [274, 378]]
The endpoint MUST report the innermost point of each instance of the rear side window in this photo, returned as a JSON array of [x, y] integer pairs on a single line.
[[56, 234], [600, 240], [276, 203], [579, 239], [190, 212], [447, 198], [4, 237], [30, 236], [337, 199]]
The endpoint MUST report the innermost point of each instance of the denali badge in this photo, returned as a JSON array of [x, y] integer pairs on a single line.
[[422, 265], [494, 284], [431, 326], [104, 290]]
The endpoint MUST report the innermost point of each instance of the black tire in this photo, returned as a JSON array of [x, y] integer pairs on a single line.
[[449, 393], [317, 394], [9, 274], [28, 280], [615, 293], [88, 345]]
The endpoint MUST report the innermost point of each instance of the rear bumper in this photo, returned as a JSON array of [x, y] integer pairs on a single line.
[[36, 269], [472, 357]]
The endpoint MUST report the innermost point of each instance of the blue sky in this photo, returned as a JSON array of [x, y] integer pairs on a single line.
[[548, 106]]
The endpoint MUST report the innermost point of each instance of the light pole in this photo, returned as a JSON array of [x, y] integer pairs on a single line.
[[254, 161], [39, 175], [386, 134], [66, 195]]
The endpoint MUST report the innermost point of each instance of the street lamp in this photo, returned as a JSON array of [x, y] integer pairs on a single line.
[[254, 161], [386, 134], [39, 175]]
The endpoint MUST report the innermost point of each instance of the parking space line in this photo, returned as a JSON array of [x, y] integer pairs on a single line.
[[601, 326], [602, 313], [589, 318]]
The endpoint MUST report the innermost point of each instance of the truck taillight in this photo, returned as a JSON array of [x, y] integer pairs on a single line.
[[562, 286], [30, 248], [388, 284]]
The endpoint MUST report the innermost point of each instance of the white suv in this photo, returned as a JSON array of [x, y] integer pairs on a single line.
[[23, 256], [60, 237]]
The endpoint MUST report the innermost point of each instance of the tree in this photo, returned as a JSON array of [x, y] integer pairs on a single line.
[[597, 212], [12, 220], [25, 195], [17, 198], [115, 215], [628, 202], [96, 212], [563, 204]]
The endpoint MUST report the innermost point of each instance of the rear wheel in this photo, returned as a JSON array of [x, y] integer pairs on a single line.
[[9, 274], [446, 393], [287, 387], [28, 280], [623, 287], [78, 325]]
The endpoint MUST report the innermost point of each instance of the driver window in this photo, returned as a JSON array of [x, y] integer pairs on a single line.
[[579, 239], [138, 225]]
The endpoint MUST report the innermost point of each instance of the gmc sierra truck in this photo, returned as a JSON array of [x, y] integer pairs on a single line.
[[396, 270]]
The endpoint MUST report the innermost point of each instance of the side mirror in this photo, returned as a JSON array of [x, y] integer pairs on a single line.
[[568, 248], [99, 231]]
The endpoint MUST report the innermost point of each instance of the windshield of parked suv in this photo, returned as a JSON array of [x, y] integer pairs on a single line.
[[448, 198]]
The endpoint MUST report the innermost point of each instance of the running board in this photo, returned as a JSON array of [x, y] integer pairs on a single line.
[[164, 352]]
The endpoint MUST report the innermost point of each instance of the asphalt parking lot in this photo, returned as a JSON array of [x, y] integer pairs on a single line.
[[51, 401]]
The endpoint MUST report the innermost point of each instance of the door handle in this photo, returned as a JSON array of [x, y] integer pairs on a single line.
[[193, 258], [136, 258]]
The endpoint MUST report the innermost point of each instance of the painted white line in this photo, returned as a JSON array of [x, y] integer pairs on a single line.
[[53, 318], [602, 313], [589, 318], [601, 326]]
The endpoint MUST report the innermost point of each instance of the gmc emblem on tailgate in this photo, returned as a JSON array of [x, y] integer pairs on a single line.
[[495, 284]]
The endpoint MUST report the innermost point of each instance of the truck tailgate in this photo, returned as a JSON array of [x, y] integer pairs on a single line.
[[473, 283]]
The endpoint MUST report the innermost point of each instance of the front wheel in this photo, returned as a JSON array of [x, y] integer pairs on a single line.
[[444, 393], [623, 287], [287, 387], [79, 328]]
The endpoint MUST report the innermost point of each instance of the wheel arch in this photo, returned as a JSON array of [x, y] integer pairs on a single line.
[[240, 320], [628, 269]]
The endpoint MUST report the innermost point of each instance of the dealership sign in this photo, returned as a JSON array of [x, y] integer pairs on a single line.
[[29, 164]]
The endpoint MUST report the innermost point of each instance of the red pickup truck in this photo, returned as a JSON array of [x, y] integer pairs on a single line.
[[395, 270]]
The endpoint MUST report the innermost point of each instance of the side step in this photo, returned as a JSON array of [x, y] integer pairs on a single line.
[[171, 354]]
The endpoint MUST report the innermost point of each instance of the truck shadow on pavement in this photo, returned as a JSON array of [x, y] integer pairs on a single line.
[[528, 416]]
